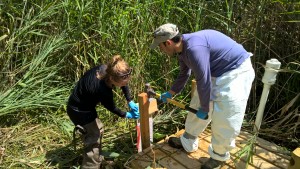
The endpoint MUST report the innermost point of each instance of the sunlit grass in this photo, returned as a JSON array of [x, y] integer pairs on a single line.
[[47, 45]]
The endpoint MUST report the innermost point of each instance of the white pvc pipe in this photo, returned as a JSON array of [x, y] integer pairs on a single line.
[[139, 137], [269, 78], [151, 129], [261, 108]]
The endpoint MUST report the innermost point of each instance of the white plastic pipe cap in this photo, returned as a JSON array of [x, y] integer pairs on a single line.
[[271, 70], [273, 63]]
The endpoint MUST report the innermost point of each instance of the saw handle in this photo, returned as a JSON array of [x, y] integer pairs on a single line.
[[180, 105]]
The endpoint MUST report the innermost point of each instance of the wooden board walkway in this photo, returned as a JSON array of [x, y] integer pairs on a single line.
[[161, 155]]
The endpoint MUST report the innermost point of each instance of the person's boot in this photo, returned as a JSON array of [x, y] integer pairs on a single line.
[[212, 164], [175, 142], [92, 140]]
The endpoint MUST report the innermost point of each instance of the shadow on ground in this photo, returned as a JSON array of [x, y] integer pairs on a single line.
[[64, 157], [116, 153]]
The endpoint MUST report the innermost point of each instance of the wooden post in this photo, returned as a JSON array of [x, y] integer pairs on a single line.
[[144, 118], [152, 106], [295, 159], [146, 107]]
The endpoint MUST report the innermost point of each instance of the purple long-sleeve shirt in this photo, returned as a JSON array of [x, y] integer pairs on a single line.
[[207, 53]]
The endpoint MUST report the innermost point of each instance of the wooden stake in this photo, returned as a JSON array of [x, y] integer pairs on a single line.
[[152, 106], [144, 119], [295, 160]]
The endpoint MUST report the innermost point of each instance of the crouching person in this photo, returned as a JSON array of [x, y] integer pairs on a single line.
[[94, 87]]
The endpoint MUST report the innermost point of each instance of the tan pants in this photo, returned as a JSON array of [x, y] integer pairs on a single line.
[[92, 145]]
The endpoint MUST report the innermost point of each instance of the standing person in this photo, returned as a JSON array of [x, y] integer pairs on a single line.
[[96, 86], [224, 76]]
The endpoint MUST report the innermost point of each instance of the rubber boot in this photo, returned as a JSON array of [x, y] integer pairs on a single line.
[[175, 142]]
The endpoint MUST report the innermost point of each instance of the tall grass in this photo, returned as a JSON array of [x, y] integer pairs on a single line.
[[37, 82], [47, 45], [31, 77]]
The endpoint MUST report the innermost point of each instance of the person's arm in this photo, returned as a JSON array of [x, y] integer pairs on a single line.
[[109, 104], [131, 104], [182, 78], [200, 65], [126, 92]]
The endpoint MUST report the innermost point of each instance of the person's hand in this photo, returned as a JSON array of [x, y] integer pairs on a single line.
[[202, 114], [165, 96], [133, 106], [133, 114]]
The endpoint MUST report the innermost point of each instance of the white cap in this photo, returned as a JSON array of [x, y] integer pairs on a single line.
[[164, 33]]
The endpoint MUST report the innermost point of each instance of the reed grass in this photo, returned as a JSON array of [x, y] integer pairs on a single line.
[[47, 45]]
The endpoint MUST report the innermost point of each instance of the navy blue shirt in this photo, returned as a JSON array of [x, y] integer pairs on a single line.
[[207, 53], [90, 91]]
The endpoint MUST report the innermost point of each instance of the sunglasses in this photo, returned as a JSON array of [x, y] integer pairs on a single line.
[[126, 75]]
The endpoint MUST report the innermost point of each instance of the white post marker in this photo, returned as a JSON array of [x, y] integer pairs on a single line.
[[269, 78], [138, 135]]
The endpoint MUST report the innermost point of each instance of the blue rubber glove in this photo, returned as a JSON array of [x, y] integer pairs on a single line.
[[202, 114], [133, 106], [164, 96], [133, 114]]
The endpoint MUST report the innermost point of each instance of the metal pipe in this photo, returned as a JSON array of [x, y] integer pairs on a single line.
[[269, 78]]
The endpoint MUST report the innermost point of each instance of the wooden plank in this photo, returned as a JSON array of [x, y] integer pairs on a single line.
[[185, 159], [165, 160], [199, 156], [144, 160], [144, 118], [166, 148], [204, 142], [157, 154], [140, 161], [232, 163], [168, 157], [258, 161]]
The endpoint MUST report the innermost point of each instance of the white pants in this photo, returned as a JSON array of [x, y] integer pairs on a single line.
[[229, 98]]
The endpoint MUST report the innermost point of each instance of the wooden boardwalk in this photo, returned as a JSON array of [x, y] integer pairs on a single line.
[[161, 155]]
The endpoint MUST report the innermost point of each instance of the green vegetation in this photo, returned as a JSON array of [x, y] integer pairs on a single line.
[[47, 45]]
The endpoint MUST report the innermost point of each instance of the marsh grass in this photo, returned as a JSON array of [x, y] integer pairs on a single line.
[[38, 84], [247, 151], [47, 45]]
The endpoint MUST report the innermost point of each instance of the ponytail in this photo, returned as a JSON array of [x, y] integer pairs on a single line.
[[117, 67]]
